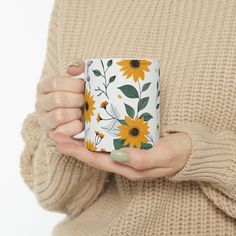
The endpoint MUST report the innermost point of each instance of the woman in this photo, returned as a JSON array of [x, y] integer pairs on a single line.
[[186, 184]]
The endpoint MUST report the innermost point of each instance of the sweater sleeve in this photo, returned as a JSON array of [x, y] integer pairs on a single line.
[[212, 163], [60, 183]]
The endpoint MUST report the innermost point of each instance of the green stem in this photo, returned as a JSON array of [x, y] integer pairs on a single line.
[[111, 115], [105, 78], [140, 95], [140, 91], [100, 90], [112, 118]]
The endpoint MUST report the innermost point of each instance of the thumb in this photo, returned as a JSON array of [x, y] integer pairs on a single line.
[[75, 67]]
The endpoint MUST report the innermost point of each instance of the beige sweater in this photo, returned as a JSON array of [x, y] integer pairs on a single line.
[[195, 41]]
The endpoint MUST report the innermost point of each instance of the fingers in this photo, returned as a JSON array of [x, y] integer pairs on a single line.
[[53, 119], [70, 129], [102, 161], [158, 156], [59, 99], [94, 159], [62, 138], [72, 147], [58, 83]]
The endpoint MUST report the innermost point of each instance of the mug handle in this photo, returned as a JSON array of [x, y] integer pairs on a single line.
[[80, 135]]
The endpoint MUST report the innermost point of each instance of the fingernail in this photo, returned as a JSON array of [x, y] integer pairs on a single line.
[[75, 63], [119, 156]]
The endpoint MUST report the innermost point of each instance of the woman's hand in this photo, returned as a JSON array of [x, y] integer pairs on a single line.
[[166, 158], [59, 101]]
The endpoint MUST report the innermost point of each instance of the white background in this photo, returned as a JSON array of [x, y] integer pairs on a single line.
[[23, 35]]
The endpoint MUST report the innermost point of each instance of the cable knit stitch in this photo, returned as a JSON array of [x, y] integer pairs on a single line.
[[196, 44]]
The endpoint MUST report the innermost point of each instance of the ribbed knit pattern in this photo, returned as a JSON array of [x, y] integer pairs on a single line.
[[195, 41]]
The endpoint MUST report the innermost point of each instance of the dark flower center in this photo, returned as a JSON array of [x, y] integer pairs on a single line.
[[86, 106], [134, 132], [135, 63]]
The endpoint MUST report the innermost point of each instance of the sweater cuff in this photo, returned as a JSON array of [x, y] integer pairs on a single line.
[[212, 158]]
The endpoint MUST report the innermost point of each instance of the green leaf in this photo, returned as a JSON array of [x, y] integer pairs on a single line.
[[109, 63], [145, 87], [130, 111], [129, 91], [112, 79], [157, 105], [119, 143], [97, 72], [142, 103], [146, 146], [122, 122], [146, 116]]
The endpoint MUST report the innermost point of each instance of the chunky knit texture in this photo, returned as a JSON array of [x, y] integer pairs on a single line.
[[195, 41]]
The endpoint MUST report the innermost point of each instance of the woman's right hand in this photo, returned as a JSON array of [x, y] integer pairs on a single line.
[[59, 101]]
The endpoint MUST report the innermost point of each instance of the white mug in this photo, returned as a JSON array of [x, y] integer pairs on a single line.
[[121, 103]]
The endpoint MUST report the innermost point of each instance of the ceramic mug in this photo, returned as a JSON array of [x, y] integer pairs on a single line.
[[121, 103]]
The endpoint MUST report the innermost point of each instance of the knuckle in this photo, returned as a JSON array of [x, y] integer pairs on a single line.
[[53, 84], [139, 162], [58, 116], [57, 99], [81, 85], [81, 100]]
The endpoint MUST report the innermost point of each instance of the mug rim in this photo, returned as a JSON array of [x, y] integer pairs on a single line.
[[123, 58]]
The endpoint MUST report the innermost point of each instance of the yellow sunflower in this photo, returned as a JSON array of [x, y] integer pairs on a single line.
[[134, 131], [90, 145], [88, 106], [134, 68]]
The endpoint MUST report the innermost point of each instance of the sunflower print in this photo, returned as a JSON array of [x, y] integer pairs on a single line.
[[99, 118], [104, 104], [100, 134], [88, 106], [135, 68], [90, 145], [134, 131]]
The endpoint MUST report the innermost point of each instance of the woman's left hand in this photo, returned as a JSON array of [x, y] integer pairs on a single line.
[[169, 155]]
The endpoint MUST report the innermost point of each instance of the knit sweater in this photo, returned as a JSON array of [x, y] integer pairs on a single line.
[[195, 40]]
